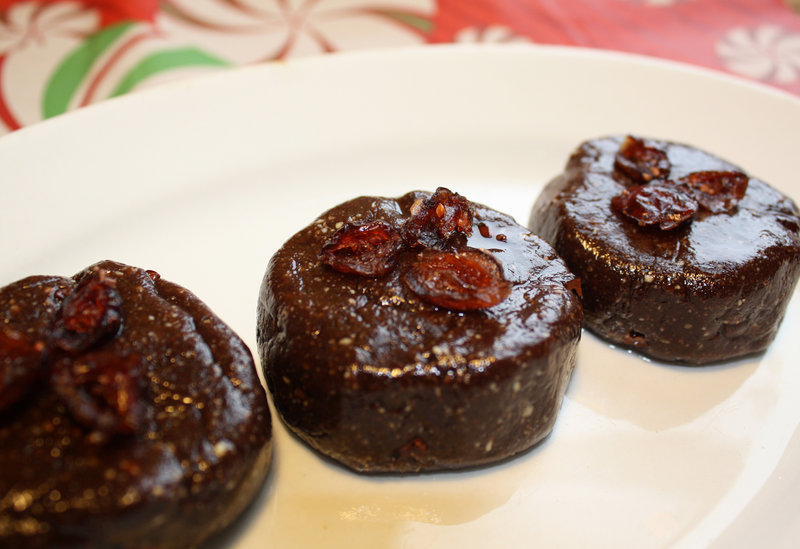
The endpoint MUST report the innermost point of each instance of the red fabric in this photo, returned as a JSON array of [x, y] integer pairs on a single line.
[[757, 39], [684, 30], [111, 11]]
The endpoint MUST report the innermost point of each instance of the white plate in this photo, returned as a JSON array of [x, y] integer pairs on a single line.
[[203, 180]]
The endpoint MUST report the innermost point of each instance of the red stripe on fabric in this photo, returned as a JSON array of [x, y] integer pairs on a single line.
[[6, 116], [109, 64]]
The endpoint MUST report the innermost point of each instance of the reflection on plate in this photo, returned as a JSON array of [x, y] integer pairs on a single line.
[[203, 180]]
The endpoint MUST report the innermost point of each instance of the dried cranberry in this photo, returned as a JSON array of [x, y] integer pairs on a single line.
[[90, 313], [717, 191], [640, 163], [369, 249], [415, 448], [465, 280], [21, 365], [435, 221], [102, 390], [661, 203]]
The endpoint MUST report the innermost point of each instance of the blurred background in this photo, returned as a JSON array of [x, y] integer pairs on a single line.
[[59, 55]]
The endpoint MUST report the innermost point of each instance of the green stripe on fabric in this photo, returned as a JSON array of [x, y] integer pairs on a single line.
[[67, 77], [422, 24], [163, 61]]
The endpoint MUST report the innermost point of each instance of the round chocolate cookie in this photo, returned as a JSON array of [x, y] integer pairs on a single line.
[[130, 415], [417, 334], [681, 255]]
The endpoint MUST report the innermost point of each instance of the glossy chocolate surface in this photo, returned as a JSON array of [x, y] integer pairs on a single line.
[[201, 456], [712, 289], [367, 373]]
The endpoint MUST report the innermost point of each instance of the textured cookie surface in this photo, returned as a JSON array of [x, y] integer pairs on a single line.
[[714, 288], [368, 373], [152, 433]]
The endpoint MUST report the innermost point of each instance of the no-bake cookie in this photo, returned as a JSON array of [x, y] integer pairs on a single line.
[[130, 415], [418, 334], [682, 256]]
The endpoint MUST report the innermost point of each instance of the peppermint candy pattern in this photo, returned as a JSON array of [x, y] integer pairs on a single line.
[[59, 55], [767, 52]]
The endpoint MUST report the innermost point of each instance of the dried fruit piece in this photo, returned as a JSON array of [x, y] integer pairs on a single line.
[[465, 280], [435, 221], [21, 365], [640, 163], [90, 313], [661, 203], [102, 390], [717, 191], [368, 249], [416, 448]]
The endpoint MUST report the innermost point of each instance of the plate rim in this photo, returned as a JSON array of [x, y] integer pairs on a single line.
[[389, 55]]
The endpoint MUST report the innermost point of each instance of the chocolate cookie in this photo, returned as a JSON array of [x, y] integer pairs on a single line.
[[417, 334], [130, 415], [682, 256]]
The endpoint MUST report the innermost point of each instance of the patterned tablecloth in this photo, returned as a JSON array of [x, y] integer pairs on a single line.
[[58, 55]]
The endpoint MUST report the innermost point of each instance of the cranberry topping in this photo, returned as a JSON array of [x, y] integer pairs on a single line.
[[90, 313], [661, 203], [102, 390], [368, 249], [464, 280], [459, 280], [435, 221], [717, 191], [640, 163], [414, 448]]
